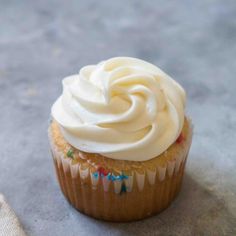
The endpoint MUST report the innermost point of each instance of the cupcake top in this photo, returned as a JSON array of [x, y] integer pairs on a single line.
[[123, 108]]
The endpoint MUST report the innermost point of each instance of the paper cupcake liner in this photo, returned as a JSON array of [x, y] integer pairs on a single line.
[[119, 198]]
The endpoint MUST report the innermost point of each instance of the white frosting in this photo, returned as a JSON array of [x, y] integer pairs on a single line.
[[123, 108]]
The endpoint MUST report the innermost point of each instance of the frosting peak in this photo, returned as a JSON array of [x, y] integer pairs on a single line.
[[123, 108]]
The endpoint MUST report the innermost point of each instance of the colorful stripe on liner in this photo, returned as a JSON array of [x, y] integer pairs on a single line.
[[101, 172]]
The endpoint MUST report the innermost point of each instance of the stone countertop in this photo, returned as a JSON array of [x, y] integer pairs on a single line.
[[43, 41]]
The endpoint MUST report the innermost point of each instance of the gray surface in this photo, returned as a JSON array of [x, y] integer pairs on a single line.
[[43, 41]]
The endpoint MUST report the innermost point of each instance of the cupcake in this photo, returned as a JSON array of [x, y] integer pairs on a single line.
[[120, 139]]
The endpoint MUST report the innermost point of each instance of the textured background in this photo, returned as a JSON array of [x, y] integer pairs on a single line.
[[43, 41]]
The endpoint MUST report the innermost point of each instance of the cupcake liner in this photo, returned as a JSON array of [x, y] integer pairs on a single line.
[[120, 197]]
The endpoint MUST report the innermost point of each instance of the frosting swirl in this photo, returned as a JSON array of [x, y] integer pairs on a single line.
[[123, 108]]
